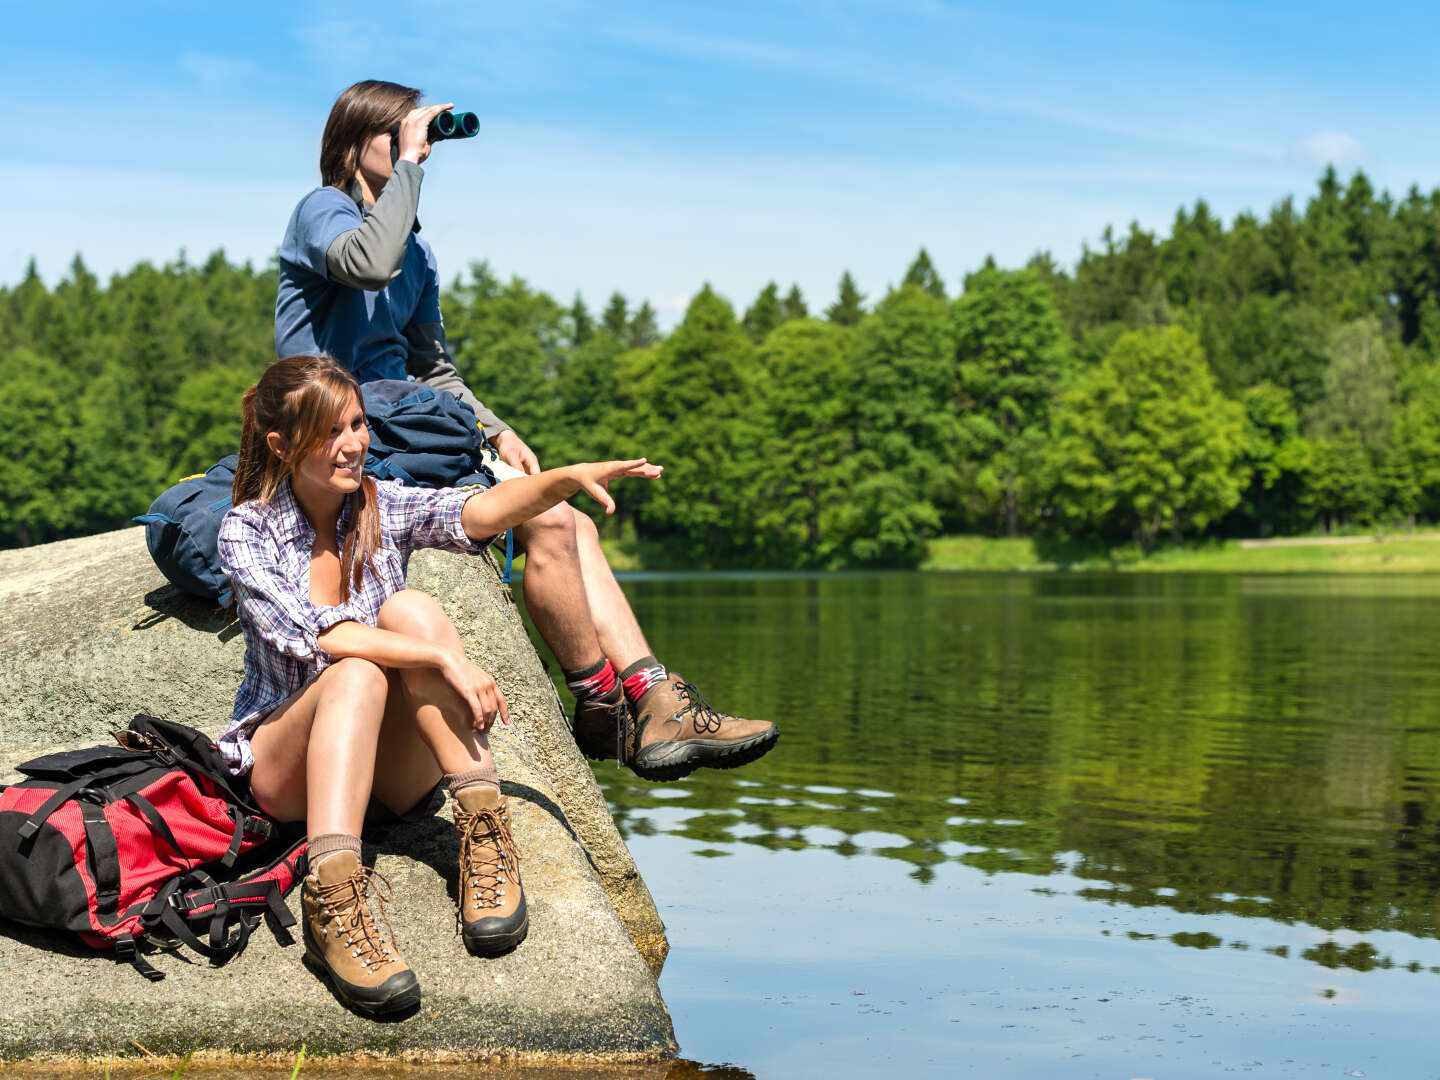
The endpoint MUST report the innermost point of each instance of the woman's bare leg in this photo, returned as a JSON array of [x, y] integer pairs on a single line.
[[428, 728], [315, 754]]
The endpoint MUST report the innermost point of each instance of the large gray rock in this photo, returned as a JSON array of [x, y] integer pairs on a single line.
[[90, 634]]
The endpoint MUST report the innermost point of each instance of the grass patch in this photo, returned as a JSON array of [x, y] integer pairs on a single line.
[[1391, 554], [1398, 553]]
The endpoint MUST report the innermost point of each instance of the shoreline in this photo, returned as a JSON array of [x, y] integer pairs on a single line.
[[1393, 553]]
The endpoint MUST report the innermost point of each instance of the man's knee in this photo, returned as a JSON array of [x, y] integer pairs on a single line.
[[552, 532], [412, 612], [585, 531]]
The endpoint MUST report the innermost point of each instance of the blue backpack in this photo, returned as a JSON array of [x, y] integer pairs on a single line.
[[182, 530], [420, 436], [423, 437]]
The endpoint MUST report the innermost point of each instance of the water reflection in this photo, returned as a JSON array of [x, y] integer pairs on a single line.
[[1260, 747]]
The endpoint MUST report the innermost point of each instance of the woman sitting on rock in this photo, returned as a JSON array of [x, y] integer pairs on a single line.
[[358, 697]]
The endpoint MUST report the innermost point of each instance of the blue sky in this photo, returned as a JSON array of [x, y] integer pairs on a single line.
[[652, 147]]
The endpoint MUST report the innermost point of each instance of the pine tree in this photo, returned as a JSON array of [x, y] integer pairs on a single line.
[[764, 314], [616, 319], [582, 326], [794, 306], [696, 415], [849, 306], [644, 331], [922, 273]]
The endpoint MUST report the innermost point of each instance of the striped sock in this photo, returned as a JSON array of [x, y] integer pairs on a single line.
[[640, 676], [592, 682]]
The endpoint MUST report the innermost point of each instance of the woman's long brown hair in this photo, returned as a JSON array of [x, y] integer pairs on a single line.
[[361, 112], [301, 397]]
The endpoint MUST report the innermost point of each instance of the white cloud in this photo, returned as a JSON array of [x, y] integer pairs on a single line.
[[1329, 148]]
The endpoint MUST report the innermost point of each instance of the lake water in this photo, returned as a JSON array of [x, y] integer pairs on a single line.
[[1052, 825]]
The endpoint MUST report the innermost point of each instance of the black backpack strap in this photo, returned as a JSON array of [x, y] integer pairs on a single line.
[[158, 823], [233, 851], [193, 899], [220, 947], [245, 823], [105, 859], [126, 952], [164, 910], [61, 794]]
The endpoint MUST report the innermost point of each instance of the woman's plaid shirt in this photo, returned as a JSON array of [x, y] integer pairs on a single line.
[[265, 548]]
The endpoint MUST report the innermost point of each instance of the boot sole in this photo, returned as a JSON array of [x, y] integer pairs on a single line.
[[594, 750], [399, 1004], [497, 944], [675, 760]]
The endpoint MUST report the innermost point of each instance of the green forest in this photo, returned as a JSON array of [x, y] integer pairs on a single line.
[[1267, 377]]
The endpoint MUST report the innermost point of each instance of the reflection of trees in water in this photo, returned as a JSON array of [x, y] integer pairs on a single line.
[[1199, 743], [1359, 956]]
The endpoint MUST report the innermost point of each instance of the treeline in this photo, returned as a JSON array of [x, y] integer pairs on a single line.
[[1272, 376]]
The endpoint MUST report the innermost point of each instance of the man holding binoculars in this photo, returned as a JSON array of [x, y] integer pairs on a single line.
[[359, 283]]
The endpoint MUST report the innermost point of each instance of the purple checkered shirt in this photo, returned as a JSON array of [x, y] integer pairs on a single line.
[[265, 548]]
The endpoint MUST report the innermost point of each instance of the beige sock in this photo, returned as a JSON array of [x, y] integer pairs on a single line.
[[332, 843], [481, 774]]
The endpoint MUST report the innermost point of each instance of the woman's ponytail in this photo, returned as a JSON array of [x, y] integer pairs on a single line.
[[253, 452]]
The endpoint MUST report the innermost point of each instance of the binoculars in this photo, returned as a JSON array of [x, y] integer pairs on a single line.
[[453, 125], [446, 125]]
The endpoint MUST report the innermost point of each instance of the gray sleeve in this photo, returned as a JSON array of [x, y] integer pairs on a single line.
[[427, 358], [369, 255]]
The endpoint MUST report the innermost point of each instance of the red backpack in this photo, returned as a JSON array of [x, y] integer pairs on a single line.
[[148, 842]]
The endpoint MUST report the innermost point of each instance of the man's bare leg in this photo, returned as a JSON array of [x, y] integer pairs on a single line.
[[555, 593], [580, 611], [615, 624]]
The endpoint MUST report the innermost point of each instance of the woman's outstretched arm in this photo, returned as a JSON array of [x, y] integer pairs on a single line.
[[516, 501]]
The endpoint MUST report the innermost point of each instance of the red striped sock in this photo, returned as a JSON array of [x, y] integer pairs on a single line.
[[591, 682], [640, 676]]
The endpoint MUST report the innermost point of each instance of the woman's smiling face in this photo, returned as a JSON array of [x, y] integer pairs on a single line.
[[337, 467]]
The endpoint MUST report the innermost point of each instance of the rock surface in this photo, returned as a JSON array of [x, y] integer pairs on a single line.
[[90, 634]]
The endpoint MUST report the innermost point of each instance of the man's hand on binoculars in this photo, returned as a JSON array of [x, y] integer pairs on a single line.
[[413, 138]]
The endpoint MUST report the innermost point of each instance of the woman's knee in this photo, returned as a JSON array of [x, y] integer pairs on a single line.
[[355, 676], [413, 612]]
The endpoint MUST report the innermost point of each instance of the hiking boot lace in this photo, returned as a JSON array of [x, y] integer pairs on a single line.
[[706, 718], [344, 901], [625, 730], [486, 828]]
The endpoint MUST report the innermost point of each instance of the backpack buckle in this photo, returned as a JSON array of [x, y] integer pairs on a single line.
[[185, 904]]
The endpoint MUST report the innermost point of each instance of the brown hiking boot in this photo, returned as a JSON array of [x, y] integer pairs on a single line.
[[677, 731], [599, 722], [343, 943], [493, 919]]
